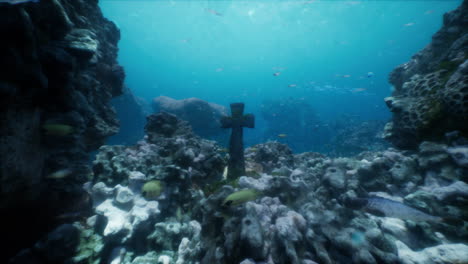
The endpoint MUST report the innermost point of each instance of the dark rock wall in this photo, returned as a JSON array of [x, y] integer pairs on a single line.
[[431, 90], [57, 65]]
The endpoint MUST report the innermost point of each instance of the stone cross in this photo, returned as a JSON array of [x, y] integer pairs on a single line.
[[237, 120]]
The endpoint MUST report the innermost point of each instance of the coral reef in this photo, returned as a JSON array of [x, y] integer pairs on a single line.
[[296, 210], [431, 90], [59, 65], [164, 199], [170, 153], [303, 218]]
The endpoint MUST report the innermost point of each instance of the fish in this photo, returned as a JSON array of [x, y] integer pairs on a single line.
[[388, 208], [57, 129], [370, 74], [282, 135], [15, 2], [179, 214], [225, 173], [346, 76], [408, 24], [241, 197], [212, 11], [357, 90], [219, 69], [152, 189], [276, 74], [70, 215], [60, 174], [292, 85]]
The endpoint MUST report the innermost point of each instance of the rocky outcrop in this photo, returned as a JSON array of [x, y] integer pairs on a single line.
[[202, 116], [431, 90], [58, 71]]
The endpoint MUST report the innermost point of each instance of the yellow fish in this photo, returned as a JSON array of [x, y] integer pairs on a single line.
[[152, 189], [224, 150], [282, 135], [56, 129], [241, 197]]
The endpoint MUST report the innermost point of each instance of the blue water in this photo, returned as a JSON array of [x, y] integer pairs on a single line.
[[226, 51]]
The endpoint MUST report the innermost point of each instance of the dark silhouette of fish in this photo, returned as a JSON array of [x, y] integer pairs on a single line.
[[384, 207], [212, 11]]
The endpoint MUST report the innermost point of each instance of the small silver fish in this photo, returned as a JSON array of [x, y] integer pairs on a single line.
[[384, 207], [60, 174], [15, 2]]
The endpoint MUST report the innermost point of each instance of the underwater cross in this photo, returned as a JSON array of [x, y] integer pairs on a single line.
[[237, 121]]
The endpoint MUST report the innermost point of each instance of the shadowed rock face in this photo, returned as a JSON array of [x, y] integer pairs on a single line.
[[431, 90], [58, 65], [203, 116]]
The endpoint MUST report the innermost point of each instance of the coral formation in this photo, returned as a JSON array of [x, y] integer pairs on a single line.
[[431, 90], [170, 152]]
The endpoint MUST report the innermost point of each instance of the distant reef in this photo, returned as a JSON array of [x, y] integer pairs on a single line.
[[58, 72], [431, 90], [202, 116]]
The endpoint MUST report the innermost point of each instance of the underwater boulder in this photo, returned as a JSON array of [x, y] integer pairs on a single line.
[[204, 117]]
